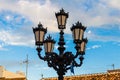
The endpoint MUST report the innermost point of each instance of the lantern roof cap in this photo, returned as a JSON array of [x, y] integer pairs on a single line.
[[40, 28], [62, 12], [78, 25], [49, 39]]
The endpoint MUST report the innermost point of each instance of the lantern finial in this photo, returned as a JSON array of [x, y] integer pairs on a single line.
[[40, 25]]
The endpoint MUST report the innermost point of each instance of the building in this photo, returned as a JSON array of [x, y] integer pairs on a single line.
[[109, 75], [7, 75]]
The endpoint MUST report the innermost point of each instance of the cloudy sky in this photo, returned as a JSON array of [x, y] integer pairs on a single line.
[[17, 17]]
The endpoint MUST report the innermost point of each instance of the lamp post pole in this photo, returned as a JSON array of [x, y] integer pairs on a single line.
[[62, 61]]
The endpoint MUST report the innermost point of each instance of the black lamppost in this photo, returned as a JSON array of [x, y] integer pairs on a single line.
[[61, 62]]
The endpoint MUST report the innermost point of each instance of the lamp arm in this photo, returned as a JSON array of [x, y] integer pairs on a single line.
[[76, 55], [43, 58], [39, 49], [81, 61], [68, 68], [78, 64], [74, 64], [77, 47]]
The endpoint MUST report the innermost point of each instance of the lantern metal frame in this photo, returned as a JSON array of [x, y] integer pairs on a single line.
[[61, 62]]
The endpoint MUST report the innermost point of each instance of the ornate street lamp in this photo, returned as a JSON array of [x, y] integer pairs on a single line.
[[61, 62]]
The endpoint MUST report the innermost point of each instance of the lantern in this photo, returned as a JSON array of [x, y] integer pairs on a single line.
[[83, 46], [78, 31], [61, 19], [49, 44], [39, 33]]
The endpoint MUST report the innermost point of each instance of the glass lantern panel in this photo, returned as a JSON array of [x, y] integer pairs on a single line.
[[59, 20], [63, 20], [37, 36], [41, 36], [83, 46], [81, 34], [76, 35], [49, 47]]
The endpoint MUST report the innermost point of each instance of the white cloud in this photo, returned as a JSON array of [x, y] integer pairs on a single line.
[[113, 3], [88, 48], [2, 48], [34, 11], [56, 47], [8, 17], [15, 38], [95, 16], [98, 13], [89, 32], [96, 46]]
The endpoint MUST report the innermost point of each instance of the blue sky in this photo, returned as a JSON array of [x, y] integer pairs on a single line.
[[17, 17]]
